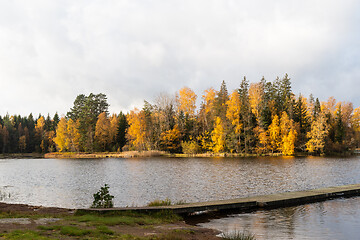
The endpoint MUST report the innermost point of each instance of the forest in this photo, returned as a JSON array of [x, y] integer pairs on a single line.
[[262, 118]]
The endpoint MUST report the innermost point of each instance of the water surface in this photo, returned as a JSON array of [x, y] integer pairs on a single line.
[[136, 182], [334, 219]]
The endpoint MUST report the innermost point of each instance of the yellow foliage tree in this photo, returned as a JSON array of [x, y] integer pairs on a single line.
[[186, 100], [61, 138], [256, 95], [73, 135], [170, 140], [264, 140], [67, 135], [287, 134], [206, 114], [209, 99], [317, 135], [40, 133], [102, 131], [288, 143], [137, 130], [113, 130], [205, 141], [355, 119], [217, 136], [233, 111], [274, 134]]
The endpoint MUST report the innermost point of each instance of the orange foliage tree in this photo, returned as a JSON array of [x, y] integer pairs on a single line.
[[186, 100], [137, 130]]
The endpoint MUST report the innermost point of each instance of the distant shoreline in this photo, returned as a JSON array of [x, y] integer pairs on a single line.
[[147, 154], [21, 155]]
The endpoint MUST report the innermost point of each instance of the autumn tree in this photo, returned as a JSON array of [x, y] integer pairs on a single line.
[[288, 143], [274, 134], [61, 138], [137, 131], [40, 134], [263, 144], [186, 105], [317, 135], [217, 137], [186, 101], [73, 135], [113, 132], [287, 134], [170, 140], [256, 100], [206, 114], [233, 114], [102, 131]]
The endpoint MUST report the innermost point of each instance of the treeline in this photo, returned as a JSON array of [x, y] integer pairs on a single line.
[[262, 118]]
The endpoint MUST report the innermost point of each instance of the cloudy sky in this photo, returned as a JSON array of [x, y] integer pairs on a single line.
[[131, 50]]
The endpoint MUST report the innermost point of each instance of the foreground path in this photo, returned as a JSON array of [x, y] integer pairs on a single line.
[[266, 201]]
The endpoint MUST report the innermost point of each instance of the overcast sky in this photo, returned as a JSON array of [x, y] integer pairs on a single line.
[[131, 50]]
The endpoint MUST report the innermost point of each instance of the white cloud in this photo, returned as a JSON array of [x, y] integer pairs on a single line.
[[51, 51]]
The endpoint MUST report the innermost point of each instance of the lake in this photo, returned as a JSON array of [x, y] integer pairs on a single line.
[[334, 219], [71, 183]]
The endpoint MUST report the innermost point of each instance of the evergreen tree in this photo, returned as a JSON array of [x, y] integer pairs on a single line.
[[339, 126], [220, 101], [122, 128], [86, 109]]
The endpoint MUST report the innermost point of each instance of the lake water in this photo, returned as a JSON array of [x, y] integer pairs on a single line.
[[135, 182], [337, 219]]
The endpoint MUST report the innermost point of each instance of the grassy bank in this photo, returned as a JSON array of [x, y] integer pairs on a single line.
[[17, 223]]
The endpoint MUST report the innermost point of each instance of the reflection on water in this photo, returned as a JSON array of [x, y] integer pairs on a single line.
[[4, 193], [335, 219], [136, 182]]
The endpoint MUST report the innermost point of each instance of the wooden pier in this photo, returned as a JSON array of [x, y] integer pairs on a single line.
[[265, 201]]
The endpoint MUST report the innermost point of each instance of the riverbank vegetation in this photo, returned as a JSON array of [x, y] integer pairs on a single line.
[[264, 118]]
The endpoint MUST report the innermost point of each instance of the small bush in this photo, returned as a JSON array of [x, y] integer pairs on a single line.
[[237, 235], [157, 203], [190, 147], [103, 199]]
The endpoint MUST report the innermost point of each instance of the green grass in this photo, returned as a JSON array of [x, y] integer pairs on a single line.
[[74, 231], [127, 218], [104, 230], [23, 235], [97, 226]]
